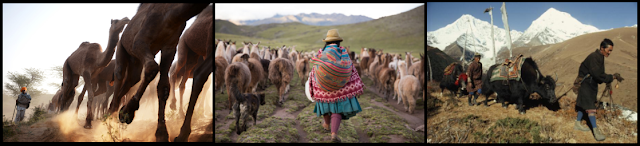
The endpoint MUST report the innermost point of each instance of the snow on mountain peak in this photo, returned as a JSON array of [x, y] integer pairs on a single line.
[[553, 26]]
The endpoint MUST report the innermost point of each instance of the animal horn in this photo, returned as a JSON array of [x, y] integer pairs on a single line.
[[556, 77]]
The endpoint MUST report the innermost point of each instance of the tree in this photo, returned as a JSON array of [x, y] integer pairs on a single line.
[[30, 79], [57, 72]]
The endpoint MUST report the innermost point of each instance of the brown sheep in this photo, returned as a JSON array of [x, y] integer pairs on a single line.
[[302, 67], [386, 77], [280, 74], [237, 73]]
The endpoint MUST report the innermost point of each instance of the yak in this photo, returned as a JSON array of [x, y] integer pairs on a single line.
[[449, 81], [532, 80]]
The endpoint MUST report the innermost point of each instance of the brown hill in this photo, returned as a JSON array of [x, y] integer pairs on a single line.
[[565, 58], [438, 61]]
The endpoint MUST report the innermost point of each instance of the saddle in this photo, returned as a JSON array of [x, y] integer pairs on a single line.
[[449, 69], [509, 70]]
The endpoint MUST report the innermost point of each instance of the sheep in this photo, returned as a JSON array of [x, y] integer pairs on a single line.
[[237, 73], [302, 68], [386, 77], [280, 74]]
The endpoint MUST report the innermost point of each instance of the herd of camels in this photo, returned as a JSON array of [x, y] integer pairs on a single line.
[[154, 28]]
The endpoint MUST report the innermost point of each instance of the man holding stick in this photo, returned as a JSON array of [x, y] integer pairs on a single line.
[[593, 66]]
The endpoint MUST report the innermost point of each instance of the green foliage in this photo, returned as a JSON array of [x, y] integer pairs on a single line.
[[31, 78]]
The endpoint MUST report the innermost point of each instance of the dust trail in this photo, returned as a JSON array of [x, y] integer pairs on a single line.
[[143, 126]]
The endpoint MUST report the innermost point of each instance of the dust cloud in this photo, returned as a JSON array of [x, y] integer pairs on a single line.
[[144, 124]]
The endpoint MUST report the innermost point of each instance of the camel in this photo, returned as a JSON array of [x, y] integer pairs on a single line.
[[154, 28], [87, 61], [197, 40], [103, 88]]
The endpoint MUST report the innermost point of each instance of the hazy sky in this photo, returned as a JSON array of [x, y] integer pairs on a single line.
[[43, 35], [261, 11], [602, 15]]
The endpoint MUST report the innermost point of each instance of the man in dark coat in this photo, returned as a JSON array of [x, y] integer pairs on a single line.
[[594, 66], [475, 79]]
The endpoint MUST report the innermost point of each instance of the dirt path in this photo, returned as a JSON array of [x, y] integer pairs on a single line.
[[416, 119]]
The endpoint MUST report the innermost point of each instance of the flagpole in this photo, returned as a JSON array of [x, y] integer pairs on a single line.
[[505, 20]]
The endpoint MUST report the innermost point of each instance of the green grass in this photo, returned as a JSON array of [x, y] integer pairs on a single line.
[[394, 34]]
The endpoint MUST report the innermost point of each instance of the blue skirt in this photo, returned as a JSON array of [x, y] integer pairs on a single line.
[[347, 108]]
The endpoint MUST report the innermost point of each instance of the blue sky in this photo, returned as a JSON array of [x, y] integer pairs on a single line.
[[599, 14]]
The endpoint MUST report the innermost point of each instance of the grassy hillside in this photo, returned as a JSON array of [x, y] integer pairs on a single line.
[[399, 33]]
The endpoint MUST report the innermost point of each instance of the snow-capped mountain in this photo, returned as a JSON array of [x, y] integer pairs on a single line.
[[552, 27], [309, 19], [479, 36]]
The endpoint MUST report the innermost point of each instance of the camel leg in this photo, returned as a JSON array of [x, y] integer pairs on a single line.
[[200, 76], [163, 92], [68, 88], [140, 50], [185, 77], [80, 98], [87, 86], [121, 86], [173, 78]]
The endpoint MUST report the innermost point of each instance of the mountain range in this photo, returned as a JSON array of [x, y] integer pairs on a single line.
[[553, 26], [308, 19]]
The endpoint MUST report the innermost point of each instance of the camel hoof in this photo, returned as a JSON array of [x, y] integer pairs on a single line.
[[126, 114], [87, 126], [180, 138]]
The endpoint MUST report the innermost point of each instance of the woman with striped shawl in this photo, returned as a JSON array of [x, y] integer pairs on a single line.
[[334, 84]]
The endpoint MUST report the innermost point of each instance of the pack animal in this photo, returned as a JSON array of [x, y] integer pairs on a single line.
[[532, 81]]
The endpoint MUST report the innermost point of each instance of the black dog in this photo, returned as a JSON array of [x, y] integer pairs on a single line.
[[246, 104]]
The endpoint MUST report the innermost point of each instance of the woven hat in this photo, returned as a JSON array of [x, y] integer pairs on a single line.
[[332, 35], [477, 55]]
